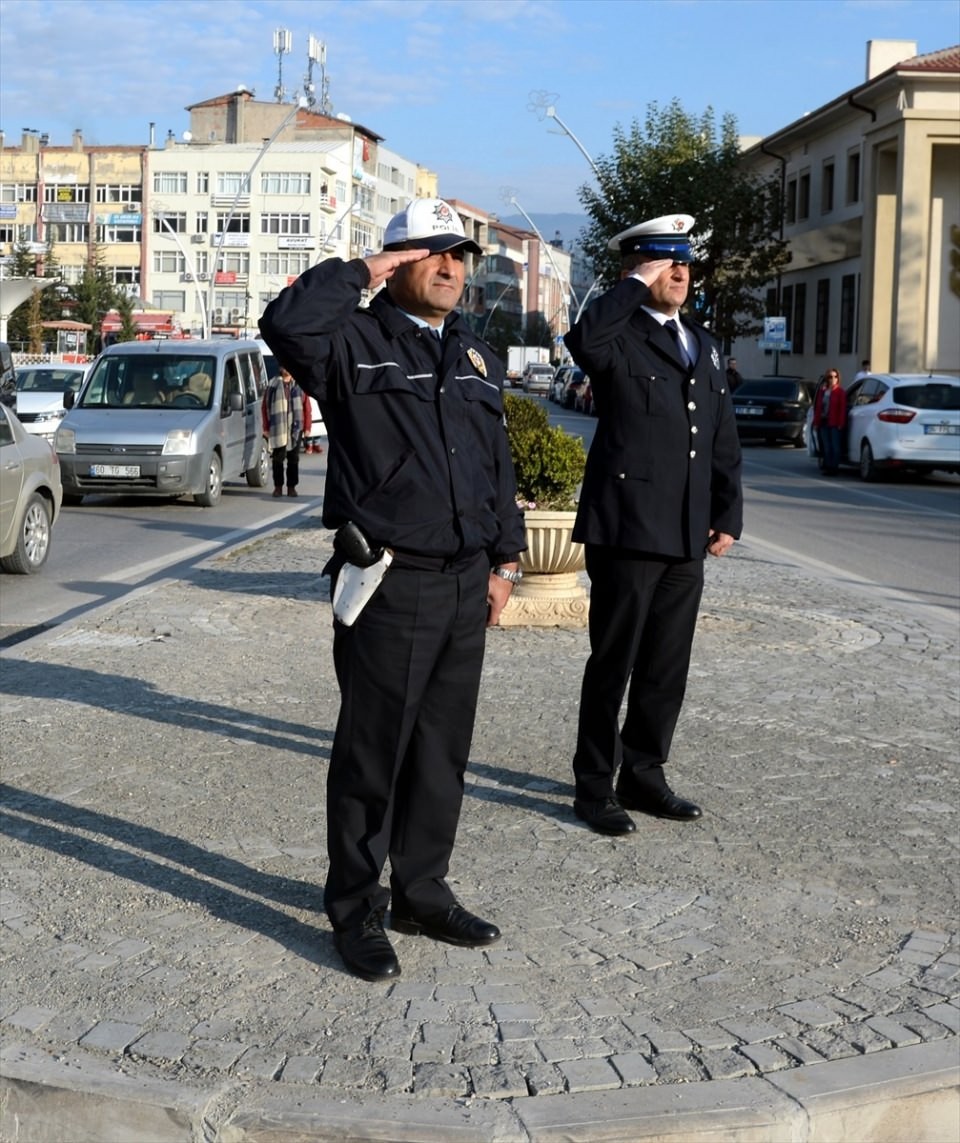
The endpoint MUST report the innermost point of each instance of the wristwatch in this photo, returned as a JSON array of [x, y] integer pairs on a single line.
[[506, 573]]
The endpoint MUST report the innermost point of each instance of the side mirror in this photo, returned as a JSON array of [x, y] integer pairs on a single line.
[[236, 402], [69, 399]]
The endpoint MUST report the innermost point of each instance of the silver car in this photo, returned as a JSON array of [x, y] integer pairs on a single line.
[[30, 496], [40, 390]]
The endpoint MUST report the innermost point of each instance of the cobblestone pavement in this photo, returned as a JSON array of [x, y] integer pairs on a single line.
[[163, 852]]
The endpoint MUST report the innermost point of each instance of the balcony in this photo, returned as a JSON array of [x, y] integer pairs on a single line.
[[328, 203], [230, 199]]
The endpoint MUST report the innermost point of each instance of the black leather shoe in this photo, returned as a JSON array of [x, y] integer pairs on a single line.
[[366, 949], [661, 804], [454, 925], [604, 816]]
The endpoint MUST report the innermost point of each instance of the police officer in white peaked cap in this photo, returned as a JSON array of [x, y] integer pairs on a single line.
[[661, 490]]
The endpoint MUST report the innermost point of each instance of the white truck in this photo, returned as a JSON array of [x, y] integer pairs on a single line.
[[520, 356]]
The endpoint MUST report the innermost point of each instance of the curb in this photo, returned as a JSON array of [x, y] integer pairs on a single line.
[[904, 1093]]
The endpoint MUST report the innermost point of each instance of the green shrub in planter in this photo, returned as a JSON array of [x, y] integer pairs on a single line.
[[549, 463]]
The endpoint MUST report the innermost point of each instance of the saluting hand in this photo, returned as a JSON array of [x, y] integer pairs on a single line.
[[383, 265]]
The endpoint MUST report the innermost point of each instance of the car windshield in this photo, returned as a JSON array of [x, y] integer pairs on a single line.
[[154, 380], [771, 387], [928, 396], [48, 380]]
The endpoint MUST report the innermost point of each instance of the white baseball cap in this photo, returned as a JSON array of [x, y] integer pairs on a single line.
[[430, 223]]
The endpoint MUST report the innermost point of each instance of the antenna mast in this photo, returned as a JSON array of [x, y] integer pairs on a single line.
[[317, 54], [282, 45]]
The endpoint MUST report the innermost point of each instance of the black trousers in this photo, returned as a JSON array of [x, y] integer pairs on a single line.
[[409, 674], [292, 457], [643, 613]]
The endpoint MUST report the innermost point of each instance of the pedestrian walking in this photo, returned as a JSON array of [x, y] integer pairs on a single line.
[[286, 419], [829, 421], [419, 471], [661, 489]]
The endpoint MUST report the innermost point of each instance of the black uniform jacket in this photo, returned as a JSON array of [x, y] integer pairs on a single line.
[[418, 454], [664, 466]]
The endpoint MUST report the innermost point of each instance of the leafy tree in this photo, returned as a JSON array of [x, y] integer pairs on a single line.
[[124, 307], [502, 330], [539, 331], [94, 295], [677, 163]]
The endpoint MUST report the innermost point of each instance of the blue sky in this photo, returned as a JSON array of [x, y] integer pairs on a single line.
[[448, 83]]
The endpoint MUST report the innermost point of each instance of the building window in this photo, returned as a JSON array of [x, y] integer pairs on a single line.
[[200, 262], [126, 275], [203, 182], [200, 222], [119, 193], [239, 223], [66, 192], [168, 262], [170, 182], [826, 188], [848, 312], [267, 298], [803, 196], [799, 316], [18, 192], [361, 236], [233, 182], [165, 220], [341, 189], [285, 182], [853, 177], [822, 331], [170, 300], [7, 232], [68, 232], [118, 233], [791, 204], [234, 262], [284, 223], [291, 263], [230, 300]]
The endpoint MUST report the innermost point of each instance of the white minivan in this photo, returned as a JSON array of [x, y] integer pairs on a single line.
[[166, 418]]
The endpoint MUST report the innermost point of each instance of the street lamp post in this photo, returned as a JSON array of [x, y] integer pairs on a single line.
[[246, 183], [351, 207], [542, 103], [160, 216], [512, 200]]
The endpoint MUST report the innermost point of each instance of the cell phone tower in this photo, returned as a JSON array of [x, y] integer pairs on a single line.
[[282, 45], [317, 54]]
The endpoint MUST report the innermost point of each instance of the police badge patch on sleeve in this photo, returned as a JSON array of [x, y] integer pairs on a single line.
[[714, 358], [476, 360]]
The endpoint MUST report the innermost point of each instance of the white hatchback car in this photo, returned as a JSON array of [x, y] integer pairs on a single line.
[[903, 421], [40, 390]]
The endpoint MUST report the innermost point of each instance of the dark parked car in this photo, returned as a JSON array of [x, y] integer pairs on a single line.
[[773, 408], [571, 386], [583, 401]]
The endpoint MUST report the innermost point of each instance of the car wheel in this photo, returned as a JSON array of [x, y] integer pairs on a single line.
[[258, 474], [33, 539], [868, 466], [210, 496]]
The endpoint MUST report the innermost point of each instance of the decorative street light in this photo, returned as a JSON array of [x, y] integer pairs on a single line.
[[299, 103], [542, 104], [510, 198], [351, 207], [160, 215]]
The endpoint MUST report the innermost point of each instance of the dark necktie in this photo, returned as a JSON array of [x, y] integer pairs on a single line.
[[673, 328]]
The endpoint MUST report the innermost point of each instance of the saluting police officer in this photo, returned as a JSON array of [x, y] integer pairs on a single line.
[[419, 462], [661, 489]]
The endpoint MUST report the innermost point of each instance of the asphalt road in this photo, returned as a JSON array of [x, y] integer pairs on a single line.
[[899, 539]]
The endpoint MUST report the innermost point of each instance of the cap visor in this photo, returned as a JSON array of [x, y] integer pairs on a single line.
[[437, 244]]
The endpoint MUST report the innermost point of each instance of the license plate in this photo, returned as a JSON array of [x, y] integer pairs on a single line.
[[114, 469], [942, 430], [746, 411]]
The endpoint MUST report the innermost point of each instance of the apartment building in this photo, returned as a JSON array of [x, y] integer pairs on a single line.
[[871, 183], [76, 197]]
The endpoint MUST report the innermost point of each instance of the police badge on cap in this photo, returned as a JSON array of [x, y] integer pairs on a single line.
[[665, 237]]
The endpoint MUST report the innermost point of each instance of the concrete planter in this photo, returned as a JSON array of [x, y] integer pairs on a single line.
[[550, 594]]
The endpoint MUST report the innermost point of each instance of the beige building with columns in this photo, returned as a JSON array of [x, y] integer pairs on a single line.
[[871, 187]]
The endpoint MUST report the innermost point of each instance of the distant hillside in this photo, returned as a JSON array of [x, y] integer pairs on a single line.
[[568, 225]]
